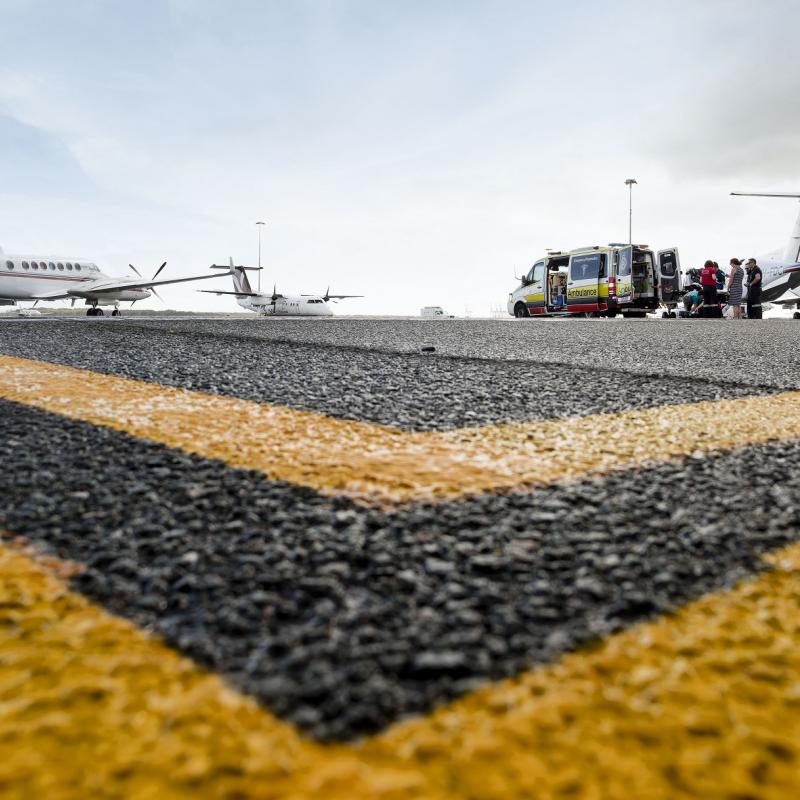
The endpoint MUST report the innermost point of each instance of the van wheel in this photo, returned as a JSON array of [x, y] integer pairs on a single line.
[[665, 315], [796, 315], [521, 311]]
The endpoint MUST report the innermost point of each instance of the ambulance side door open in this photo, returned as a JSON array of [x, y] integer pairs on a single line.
[[583, 290], [669, 274], [534, 289]]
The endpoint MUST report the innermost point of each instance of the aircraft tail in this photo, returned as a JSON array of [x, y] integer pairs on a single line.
[[241, 284], [792, 252], [240, 280]]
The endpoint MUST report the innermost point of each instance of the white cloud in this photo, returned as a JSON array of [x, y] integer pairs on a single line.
[[408, 152]]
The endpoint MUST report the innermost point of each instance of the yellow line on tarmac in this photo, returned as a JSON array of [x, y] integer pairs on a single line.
[[705, 703], [374, 463], [702, 704]]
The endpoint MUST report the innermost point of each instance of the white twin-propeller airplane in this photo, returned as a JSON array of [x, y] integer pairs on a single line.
[[274, 304], [48, 278]]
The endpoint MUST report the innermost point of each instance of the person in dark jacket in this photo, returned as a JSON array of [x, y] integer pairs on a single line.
[[720, 276], [708, 280], [753, 284]]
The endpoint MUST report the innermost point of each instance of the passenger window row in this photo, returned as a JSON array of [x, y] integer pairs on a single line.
[[69, 266]]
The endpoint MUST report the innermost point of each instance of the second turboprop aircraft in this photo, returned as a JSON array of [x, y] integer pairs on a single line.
[[275, 304]]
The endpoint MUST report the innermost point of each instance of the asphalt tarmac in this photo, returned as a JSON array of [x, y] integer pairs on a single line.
[[375, 371], [345, 617]]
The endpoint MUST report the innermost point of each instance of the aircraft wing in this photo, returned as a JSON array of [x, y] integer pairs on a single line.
[[102, 287], [235, 294], [789, 299], [44, 296], [343, 296]]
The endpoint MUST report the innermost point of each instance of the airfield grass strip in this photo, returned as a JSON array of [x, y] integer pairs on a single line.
[[378, 465], [704, 703]]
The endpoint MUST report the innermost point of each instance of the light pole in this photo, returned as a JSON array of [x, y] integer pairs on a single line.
[[260, 226], [629, 183]]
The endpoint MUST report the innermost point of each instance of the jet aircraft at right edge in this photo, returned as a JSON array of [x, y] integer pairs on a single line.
[[781, 270]]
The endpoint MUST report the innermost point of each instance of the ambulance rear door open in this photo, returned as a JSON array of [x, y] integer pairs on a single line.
[[644, 274], [669, 275], [624, 284], [583, 282]]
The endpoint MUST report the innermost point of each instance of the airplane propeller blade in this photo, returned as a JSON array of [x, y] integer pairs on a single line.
[[151, 288]]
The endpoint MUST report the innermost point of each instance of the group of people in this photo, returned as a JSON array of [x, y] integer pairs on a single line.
[[702, 295]]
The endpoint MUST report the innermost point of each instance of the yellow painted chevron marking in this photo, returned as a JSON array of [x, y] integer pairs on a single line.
[[701, 704], [377, 464], [705, 703]]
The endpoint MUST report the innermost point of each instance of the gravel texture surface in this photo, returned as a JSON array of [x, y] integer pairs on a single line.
[[372, 370], [343, 620], [750, 351]]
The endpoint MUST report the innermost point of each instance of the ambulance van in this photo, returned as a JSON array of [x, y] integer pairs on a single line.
[[608, 280]]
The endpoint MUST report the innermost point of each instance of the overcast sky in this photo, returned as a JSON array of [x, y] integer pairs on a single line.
[[414, 152]]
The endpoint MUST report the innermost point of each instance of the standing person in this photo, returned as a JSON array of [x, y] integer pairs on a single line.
[[734, 288], [720, 276], [708, 280], [753, 285]]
